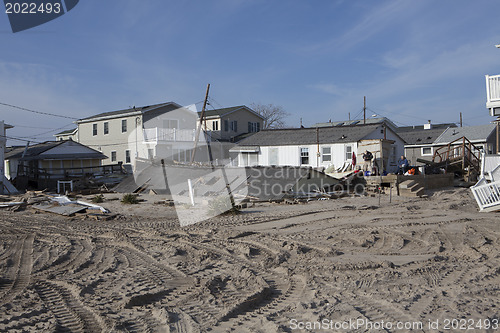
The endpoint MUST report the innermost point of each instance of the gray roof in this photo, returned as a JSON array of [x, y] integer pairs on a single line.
[[133, 110], [421, 137], [33, 152], [368, 121], [413, 128], [472, 133], [224, 111], [297, 136]]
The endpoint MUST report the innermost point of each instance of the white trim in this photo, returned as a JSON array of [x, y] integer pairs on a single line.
[[422, 151]]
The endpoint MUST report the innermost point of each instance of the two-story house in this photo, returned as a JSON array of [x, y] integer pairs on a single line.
[[228, 124], [165, 130]]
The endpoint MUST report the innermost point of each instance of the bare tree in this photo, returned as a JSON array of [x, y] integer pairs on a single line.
[[274, 115]]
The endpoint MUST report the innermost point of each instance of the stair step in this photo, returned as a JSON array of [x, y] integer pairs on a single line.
[[407, 184]]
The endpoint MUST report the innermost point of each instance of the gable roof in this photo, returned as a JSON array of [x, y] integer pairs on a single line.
[[225, 111], [67, 132], [34, 152], [421, 136], [304, 136], [472, 133], [126, 112]]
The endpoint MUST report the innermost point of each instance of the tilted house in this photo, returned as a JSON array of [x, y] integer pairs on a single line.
[[321, 146]]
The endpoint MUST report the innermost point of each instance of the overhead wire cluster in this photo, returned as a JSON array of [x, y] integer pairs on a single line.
[[31, 138]]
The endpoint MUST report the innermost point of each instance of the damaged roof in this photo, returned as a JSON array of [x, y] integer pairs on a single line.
[[304, 136]]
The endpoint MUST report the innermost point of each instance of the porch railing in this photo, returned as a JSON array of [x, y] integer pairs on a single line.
[[487, 195], [493, 88]]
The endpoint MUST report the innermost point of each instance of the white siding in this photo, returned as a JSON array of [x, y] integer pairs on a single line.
[[290, 155]]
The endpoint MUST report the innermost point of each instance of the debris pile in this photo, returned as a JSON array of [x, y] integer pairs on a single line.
[[52, 203]]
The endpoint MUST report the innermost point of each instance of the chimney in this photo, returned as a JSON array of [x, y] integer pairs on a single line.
[[428, 125]]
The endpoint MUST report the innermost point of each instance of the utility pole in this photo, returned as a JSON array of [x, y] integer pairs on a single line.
[[202, 116], [317, 142], [460, 119], [364, 110]]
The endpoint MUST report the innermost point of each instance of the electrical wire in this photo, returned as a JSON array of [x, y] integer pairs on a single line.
[[37, 112]]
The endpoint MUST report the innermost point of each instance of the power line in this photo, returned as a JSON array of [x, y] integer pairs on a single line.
[[37, 112], [52, 130]]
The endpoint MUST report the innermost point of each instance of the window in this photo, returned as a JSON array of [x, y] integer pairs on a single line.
[[250, 159], [151, 153], [170, 123], [124, 125], [180, 155], [127, 156], [94, 129], [327, 154], [273, 156], [234, 126], [113, 156], [426, 151], [106, 128], [348, 153], [304, 155], [253, 127], [215, 125], [226, 125]]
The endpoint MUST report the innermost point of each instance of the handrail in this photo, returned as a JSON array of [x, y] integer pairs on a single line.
[[465, 150]]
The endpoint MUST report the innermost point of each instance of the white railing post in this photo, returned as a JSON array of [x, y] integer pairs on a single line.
[[488, 88]]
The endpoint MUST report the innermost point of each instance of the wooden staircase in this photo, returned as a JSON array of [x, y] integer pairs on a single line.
[[459, 155]]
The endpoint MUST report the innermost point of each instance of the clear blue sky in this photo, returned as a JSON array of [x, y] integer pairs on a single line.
[[413, 60]]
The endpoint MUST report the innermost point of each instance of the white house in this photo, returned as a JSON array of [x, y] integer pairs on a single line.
[[321, 147]]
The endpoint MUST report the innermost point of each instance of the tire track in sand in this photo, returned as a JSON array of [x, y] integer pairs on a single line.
[[70, 313], [21, 274]]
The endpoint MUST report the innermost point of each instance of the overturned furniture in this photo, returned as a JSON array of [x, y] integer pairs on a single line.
[[487, 190]]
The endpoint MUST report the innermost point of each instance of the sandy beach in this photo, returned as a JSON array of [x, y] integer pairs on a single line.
[[344, 265]]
